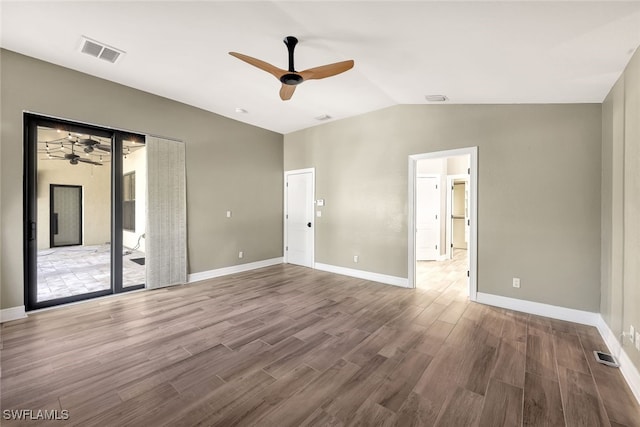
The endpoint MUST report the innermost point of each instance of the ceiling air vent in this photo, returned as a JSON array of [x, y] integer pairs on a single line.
[[100, 50], [436, 98]]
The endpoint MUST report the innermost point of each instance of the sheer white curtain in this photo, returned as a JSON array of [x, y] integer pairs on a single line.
[[166, 228]]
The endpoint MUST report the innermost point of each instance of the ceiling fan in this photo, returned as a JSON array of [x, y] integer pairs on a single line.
[[91, 144], [74, 158], [291, 78]]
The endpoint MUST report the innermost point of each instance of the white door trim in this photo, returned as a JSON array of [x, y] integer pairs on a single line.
[[284, 218], [473, 199]]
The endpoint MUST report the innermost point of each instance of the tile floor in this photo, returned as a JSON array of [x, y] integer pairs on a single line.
[[439, 275], [75, 270]]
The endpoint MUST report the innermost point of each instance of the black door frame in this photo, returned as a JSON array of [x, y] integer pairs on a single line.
[[30, 169], [53, 226]]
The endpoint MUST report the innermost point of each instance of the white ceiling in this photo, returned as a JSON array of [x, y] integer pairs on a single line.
[[472, 52]]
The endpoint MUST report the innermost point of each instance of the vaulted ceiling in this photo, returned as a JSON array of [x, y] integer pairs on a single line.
[[471, 52]]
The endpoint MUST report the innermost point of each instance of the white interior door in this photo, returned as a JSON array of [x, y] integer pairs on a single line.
[[299, 224], [427, 218]]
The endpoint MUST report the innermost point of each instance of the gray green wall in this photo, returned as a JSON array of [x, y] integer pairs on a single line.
[[538, 196], [230, 165], [620, 302]]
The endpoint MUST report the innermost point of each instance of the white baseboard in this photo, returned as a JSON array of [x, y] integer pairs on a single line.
[[628, 369], [540, 309], [13, 313], [367, 275], [204, 275]]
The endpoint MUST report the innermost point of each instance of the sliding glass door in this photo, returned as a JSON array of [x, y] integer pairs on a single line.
[[75, 212]]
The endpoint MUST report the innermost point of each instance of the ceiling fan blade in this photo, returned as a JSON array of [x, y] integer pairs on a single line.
[[286, 92], [83, 160], [265, 66], [103, 147], [327, 70]]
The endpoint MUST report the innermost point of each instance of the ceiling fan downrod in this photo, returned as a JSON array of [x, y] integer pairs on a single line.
[[291, 78]]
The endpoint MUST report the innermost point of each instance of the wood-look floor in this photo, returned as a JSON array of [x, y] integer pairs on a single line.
[[289, 346]]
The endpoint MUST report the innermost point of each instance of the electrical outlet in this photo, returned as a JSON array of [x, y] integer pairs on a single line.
[[355, 258], [638, 341], [240, 254], [516, 282]]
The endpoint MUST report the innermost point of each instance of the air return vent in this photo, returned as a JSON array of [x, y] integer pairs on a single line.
[[100, 50], [436, 98]]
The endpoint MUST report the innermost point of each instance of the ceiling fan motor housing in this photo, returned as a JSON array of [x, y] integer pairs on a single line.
[[291, 79]]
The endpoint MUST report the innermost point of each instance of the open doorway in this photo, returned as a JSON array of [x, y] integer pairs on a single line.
[[442, 222], [457, 217], [134, 206]]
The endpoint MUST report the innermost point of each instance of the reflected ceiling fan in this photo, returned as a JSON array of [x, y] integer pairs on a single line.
[[91, 145], [291, 78], [74, 158]]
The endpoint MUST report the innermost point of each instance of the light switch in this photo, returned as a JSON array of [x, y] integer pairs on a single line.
[[320, 202], [228, 214], [318, 214]]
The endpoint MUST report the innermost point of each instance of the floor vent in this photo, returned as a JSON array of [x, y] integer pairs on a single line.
[[100, 50]]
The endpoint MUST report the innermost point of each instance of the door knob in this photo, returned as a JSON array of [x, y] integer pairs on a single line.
[[309, 224]]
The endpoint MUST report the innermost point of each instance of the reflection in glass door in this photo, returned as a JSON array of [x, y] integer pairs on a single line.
[[73, 218], [73, 195], [65, 222], [134, 173]]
